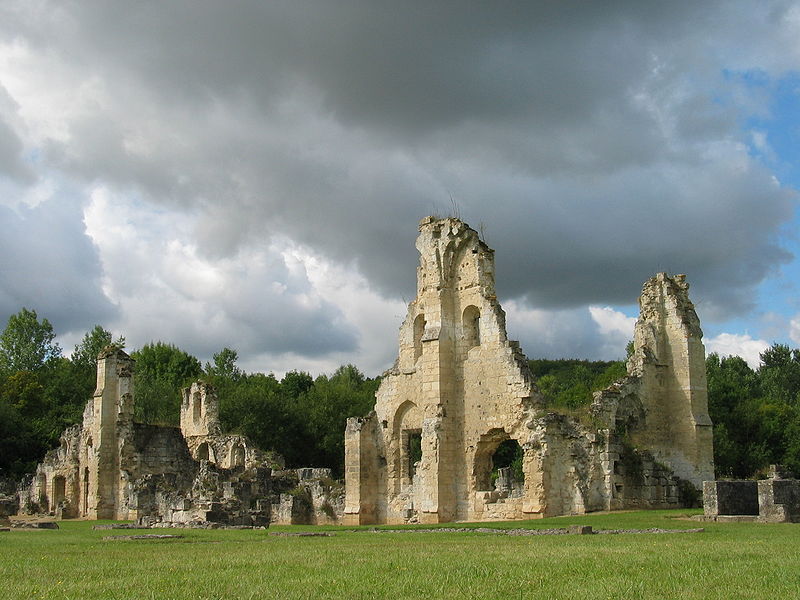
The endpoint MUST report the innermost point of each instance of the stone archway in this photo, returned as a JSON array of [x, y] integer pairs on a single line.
[[471, 326], [237, 456], [497, 450], [59, 489], [408, 439], [204, 452]]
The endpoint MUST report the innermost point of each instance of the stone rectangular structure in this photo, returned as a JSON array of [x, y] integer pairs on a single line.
[[738, 497]]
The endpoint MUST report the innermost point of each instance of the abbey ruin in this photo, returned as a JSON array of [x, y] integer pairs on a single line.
[[111, 467], [460, 389], [459, 397]]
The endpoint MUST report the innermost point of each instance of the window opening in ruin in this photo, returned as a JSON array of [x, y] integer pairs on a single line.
[[471, 325], [499, 464], [85, 490], [419, 331], [410, 454], [237, 456], [414, 452], [42, 481], [59, 489], [202, 452], [197, 406], [508, 456]]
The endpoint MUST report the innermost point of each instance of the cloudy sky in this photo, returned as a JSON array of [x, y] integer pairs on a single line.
[[251, 174]]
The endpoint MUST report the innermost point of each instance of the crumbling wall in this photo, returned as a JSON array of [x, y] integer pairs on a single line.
[[669, 360], [307, 496], [110, 467], [200, 410], [460, 388]]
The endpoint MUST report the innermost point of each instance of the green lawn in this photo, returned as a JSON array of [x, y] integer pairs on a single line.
[[743, 560]]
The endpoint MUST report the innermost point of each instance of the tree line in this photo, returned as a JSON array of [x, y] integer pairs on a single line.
[[756, 413], [42, 393]]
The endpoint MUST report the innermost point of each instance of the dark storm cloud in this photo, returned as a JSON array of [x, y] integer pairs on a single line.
[[12, 164], [592, 139], [48, 264]]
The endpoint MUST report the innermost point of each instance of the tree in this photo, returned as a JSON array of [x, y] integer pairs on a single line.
[[224, 365], [325, 409], [85, 354], [161, 371], [27, 344], [780, 373], [296, 383]]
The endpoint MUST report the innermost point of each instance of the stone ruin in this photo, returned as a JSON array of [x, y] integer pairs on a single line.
[[459, 395], [460, 389], [772, 500], [111, 467]]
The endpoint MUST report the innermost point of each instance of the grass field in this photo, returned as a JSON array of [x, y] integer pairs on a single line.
[[738, 560]]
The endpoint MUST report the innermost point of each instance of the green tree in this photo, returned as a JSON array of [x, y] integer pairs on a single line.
[[85, 354], [780, 373], [161, 371], [224, 365], [326, 408], [569, 383], [27, 344], [296, 383]]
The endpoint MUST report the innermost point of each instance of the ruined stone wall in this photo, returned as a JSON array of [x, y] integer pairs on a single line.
[[307, 496], [200, 410], [459, 386], [669, 359], [112, 468], [460, 389]]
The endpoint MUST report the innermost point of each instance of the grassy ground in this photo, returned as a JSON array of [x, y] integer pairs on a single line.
[[737, 560]]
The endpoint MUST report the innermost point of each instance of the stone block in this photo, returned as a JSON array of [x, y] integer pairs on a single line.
[[730, 498]]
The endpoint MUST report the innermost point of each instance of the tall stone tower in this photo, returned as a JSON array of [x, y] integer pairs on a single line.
[[459, 388], [107, 423], [669, 358]]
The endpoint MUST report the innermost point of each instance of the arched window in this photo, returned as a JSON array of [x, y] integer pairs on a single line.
[[59, 489], [499, 464], [408, 428], [471, 325], [197, 407], [507, 474], [419, 331], [237, 456], [202, 452]]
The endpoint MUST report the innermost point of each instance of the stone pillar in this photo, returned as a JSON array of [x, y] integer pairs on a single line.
[[670, 359], [361, 471], [112, 410]]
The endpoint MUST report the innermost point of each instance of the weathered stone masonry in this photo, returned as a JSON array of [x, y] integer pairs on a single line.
[[459, 389], [110, 467]]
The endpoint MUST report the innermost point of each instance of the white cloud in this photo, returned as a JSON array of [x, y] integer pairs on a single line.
[[794, 329], [590, 333], [260, 190], [731, 344], [259, 302], [613, 322]]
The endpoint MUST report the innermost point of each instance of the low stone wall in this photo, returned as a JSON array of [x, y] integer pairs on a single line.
[[779, 500], [730, 498], [773, 500]]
